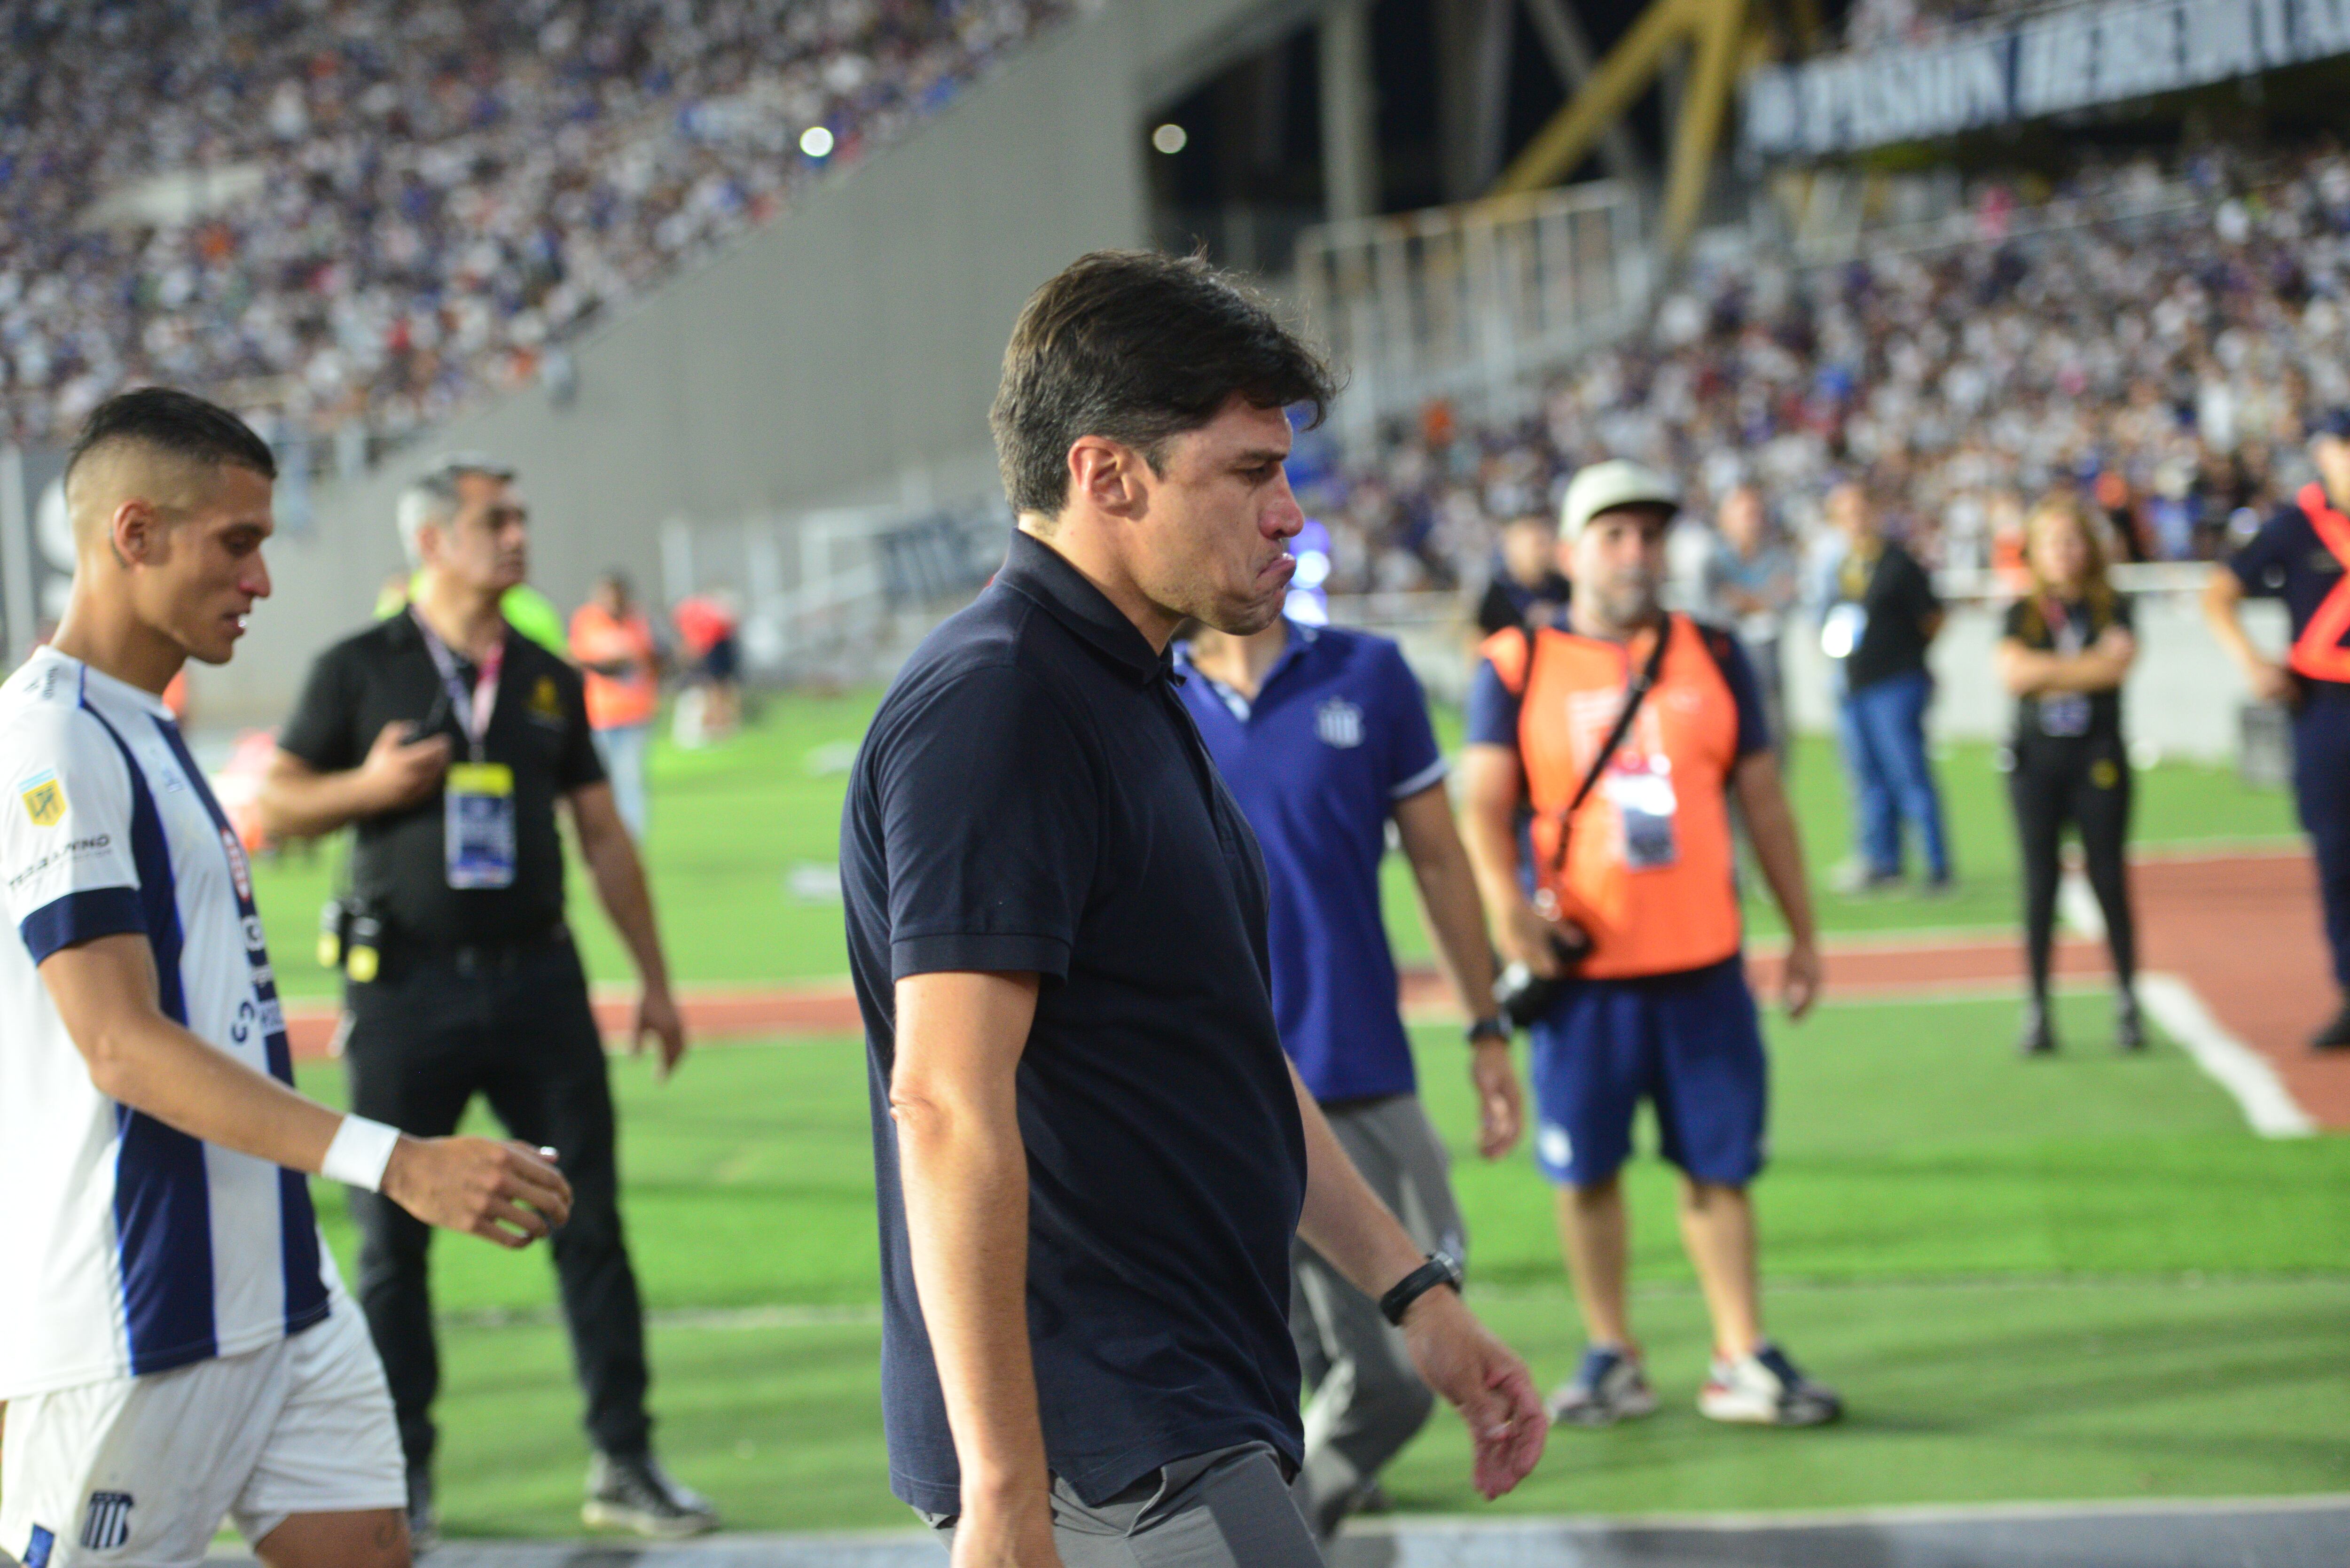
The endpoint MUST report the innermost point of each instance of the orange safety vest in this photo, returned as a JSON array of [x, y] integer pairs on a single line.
[[599, 637], [1660, 919], [2318, 652]]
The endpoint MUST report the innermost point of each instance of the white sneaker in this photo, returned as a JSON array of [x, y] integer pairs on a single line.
[[1766, 1389], [1608, 1387]]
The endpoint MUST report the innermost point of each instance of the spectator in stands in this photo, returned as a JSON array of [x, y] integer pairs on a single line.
[[1749, 584], [613, 645], [1527, 588], [1634, 924], [1881, 613], [2302, 555], [2065, 650]]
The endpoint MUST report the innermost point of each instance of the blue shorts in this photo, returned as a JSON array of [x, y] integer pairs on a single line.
[[1689, 1042]]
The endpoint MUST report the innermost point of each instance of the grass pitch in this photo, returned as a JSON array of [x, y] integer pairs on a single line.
[[2070, 1279]]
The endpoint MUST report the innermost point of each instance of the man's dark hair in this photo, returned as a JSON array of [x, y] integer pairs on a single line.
[[1139, 347], [177, 422]]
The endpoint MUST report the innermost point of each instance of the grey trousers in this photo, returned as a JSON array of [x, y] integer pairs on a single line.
[[1367, 1400], [1226, 1509]]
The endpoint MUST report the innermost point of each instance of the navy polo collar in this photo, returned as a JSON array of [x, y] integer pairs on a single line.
[[1299, 643], [1038, 572]]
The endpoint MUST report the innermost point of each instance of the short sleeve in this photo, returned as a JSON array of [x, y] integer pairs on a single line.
[[990, 817], [1746, 693], [2266, 558], [1492, 709], [1414, 762], [66, 848], [580, 765], [321, 730], [1497, 611]]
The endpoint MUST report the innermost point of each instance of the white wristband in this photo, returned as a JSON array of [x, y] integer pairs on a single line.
[[359, 1153]]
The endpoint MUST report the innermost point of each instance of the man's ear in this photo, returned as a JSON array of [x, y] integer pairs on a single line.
[[1107, 475], [135, 533]]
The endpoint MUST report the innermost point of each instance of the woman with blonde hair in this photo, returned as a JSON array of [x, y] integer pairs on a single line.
[[2067, 646]]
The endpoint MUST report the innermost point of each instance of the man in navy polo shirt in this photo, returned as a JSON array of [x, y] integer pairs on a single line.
[[1090, 1155], [1323, 736]]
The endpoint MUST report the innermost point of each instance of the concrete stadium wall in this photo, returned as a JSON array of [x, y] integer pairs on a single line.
[[847, 353]]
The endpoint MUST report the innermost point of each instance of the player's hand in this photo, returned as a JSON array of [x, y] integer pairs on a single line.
[[1500, 1107], [1007, 1535], [509, 1193], [1483, 1379], [2271, 682], [1527, 939], [1799, 977], [400, 771], [658, 1016]]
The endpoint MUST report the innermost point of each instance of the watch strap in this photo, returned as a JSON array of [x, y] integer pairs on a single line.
[[1441, 1269]]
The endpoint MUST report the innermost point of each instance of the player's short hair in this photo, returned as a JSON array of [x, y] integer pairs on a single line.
[[179, 424], [1139, 347], [430, 498]]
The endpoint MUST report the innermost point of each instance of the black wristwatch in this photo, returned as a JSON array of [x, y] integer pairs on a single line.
[[1486, 1029], [1442, 1268]]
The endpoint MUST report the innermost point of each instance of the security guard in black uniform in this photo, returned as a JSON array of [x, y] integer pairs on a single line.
[[2302, 555], [448, 739]]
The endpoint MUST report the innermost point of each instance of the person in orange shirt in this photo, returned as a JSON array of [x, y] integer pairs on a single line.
[[1625, 734], [613, 644]]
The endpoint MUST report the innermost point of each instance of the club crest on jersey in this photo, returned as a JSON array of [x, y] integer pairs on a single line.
[[108, 1524], [1339, 723], [45, 798], [237, 869], [544, 701]]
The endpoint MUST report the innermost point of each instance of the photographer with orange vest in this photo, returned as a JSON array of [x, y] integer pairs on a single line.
[[1625, 734], [619, 661], [2302, 555]]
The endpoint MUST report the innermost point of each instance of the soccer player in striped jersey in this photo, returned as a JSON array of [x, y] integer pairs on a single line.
[[174, 1344]]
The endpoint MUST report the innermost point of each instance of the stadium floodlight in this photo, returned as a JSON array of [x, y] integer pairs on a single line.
[[816, 141], [1170, 139]]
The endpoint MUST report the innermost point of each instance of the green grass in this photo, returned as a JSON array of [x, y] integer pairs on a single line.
[[2077, 1278], [2067, 1279]]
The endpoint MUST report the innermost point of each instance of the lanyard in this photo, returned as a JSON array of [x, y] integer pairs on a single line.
[[2059, 621], [473, 713]]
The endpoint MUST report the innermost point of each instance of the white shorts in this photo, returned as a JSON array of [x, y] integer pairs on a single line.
[[138, 1472]]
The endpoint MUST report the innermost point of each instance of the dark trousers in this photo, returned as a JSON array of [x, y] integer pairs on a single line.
[[2321, 785], [2088, 787], [512, 1026]]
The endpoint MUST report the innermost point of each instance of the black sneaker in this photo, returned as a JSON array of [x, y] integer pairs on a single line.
[[635, 1493], [2334, 1036], [2037, 1038], [423, 1519], [2129, 1028]]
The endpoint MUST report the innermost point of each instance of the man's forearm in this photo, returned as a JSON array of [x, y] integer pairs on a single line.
[[621, 886], [2221, 597], [1772, 826], [310, 805], [1447, 896], [1344, 1220]]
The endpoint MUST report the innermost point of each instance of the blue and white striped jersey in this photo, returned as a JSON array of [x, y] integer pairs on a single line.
[[131, 1247]]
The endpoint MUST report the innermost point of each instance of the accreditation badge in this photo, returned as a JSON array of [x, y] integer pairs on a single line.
[[478, 824], [1641, 790]]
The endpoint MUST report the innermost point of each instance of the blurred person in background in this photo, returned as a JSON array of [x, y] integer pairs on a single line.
[[1749, 584], [1634, 926], [1527, 588], [2064, 653], [1881, 615], [711, 705], [1323, 737], [2302, 555], [613, 645]]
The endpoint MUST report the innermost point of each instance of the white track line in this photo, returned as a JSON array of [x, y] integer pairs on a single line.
[[2076, 906], [2235, 1066]]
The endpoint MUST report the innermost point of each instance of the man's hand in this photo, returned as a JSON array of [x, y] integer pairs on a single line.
[[509, 1193], [398, 772], [2270, 681], [1500, 1109], [1483, 1379], [1799, 977], [658, 1016], [1532, 940], [1007, 1535]]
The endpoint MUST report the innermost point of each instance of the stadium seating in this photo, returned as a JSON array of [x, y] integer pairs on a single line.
[[374, 212]]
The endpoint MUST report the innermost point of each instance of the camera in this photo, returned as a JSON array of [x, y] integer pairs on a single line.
[[1525, 997]]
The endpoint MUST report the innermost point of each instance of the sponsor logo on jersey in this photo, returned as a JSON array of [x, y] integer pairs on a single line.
[[73, 849], [237, 870], [44, 797], [107, 1526], [1339, 723]]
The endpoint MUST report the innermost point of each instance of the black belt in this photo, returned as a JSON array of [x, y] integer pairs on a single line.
[[495, 957]]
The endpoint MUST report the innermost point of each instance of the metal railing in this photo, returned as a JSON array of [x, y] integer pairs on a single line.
[[1477, 299]]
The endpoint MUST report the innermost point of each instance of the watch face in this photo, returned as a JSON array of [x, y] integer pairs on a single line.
[[1450, 1264]]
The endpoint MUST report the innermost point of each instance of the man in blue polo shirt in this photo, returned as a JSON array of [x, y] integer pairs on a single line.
[[1323, 736]]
